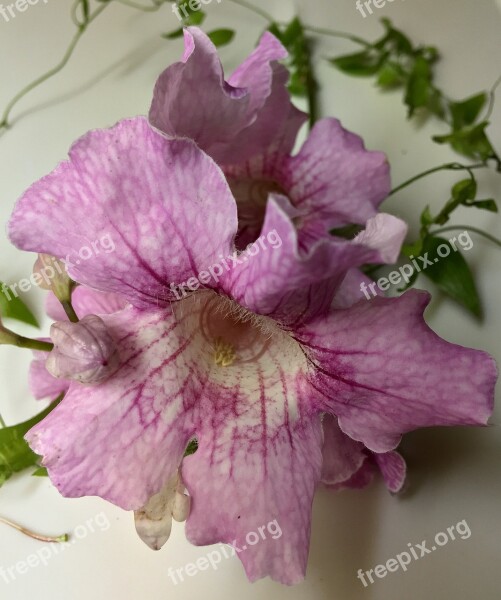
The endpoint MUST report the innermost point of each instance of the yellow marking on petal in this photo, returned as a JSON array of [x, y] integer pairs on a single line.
[[224, 353]]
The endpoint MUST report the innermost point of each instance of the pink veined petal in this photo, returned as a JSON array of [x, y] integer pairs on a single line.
[[42, 384], [257, 464], [383, 372], [359, 480], [291, 285], [342, 456], [230, 120], [350, 292], [165, 205], [85, 301], [124, 439], [334, 178], [393, 469]]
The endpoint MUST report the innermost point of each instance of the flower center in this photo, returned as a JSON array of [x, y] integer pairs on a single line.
[[252, 196]]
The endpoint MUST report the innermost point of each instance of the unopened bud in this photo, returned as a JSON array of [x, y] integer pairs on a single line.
[[83, 351], [50, 274], [154, 520]]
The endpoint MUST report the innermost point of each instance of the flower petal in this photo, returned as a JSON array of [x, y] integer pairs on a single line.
[[292, 285], [233, 120], [393, 469], [383, 372], [42, 384], [122, 440], [334, 178], [342, 456], [132, 186], [85, 301]]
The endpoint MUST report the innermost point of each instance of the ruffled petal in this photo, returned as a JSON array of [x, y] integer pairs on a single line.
[[334, 179], [230, 120], [383, 372], [42, 384], [124, 439], [147, 211], [292, 285], [393, 468], [342, 457]]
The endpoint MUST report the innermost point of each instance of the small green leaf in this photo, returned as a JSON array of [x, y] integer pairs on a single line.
[[173, 34], [191, 448], [464, 190], [40, 472], [426, 217], [363, 64], [15, 454], [390, 75], [465, 113], [396, 38], [12, 307], [489, 204], [221, 37], [469, 141], [452, 275], [419, 87]]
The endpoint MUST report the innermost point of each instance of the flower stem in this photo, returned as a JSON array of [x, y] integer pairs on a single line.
[[41, 538], [447, 167], [24, 342], [339, 34], [2, 423], [487, 236], [5, 122], [254, 9]]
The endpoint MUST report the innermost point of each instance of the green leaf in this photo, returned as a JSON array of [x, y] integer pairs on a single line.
[[426, 217], [452, 275], [362, 64], [173, 34], [465, 113], [464, 190], [191, 448], [40, 472], [14, 308], [419, 87], [390, 75], [395, 38], [15, 454], [221, 37], [489, 204], [469, 141]]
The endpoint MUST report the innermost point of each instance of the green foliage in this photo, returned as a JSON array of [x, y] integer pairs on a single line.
[[397, 63], [14, 308], [452, 275], [221, 37], [15, 454], [303, 82]]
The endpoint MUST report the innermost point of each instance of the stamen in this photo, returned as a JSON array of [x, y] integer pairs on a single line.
[[224, 353]]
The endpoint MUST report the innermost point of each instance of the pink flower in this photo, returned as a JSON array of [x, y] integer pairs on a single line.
[[249, 126], [247, 365]]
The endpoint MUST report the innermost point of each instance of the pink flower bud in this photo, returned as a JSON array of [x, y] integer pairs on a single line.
[[83, 351]]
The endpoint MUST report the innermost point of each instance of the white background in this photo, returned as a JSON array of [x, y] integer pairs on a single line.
[[453, 474]]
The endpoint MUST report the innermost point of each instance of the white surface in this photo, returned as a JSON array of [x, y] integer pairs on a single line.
[[453, 474]]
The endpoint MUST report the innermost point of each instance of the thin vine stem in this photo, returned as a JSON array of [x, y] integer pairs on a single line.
[[447, 167], [41, 538], [255, 9], [484, 234], [5, 123], [492, 99], [137, 6], [337, 34]]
